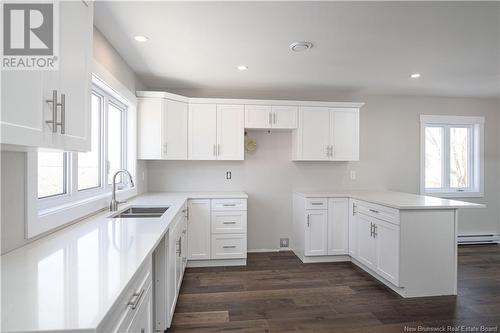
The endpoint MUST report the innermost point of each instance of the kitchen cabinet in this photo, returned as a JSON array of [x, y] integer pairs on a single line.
[[367, 245], [316, 237], [199, 229], [162, 127], [267, 117], [326, 134], [143, 319], [338, 225], [216, 132], [353, 231], [378, 239], [202, 132], [230, 132], [25, 110]]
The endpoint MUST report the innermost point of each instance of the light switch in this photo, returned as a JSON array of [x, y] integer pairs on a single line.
[[228, 175]]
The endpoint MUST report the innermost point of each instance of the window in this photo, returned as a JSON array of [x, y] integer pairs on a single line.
[[52, 168], [89, 164], [64, 176], [451, 155]]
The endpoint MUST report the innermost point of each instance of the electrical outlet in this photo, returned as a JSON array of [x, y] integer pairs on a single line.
[[228, 175], [284, 242], [353, 175]]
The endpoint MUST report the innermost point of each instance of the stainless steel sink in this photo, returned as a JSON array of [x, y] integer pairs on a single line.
[[141, 212]]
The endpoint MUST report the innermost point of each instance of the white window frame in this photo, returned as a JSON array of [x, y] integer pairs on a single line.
[[476, 157], [50, 213]]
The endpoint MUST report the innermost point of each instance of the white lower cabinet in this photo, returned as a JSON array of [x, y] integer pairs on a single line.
[[316, 236], [217, 229], [199, 229], [143, 319], [229, 246], [367, 245], [323, 227], [377, 240]]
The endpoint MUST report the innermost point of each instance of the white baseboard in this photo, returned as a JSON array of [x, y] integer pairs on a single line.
[[269, 250], [478, 239], [217, 262]]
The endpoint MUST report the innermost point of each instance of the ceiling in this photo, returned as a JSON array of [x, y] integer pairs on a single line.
[[359, 47]]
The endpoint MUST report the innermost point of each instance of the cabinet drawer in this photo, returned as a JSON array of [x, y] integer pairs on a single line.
[[229, 222], [378, 211], [125, 308], [229, 246], [229, 204], [316, 203]]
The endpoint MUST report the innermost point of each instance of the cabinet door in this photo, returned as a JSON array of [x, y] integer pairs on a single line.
[[75, 72], [149, 132], [387, 238], [230, 132], [143, 318], [338, 215], [345, 134], [353, 231], [366, 242], [202, 131], [175, 132], [313, 135], [198, 229], [316, 233], [258, 116], [285, 117]]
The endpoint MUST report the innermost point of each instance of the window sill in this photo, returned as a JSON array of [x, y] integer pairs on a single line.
[[56, 217], [447, 195]]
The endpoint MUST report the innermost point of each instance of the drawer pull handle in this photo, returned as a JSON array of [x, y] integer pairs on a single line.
[[316, 203], [374, 211], [229, 205], [134, 300], [229, 247], [229, 222]]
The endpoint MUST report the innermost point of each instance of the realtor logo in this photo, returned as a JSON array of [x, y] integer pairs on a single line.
[[28, 36]]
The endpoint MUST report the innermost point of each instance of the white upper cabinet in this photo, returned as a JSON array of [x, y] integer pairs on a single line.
[[284, 117], [202, 132], [216, 132], [344, 134], [162, 129], [175, 132], [230, 132], [327, 134], [258, 116], [266, 117], [312, 138], [25, 110]]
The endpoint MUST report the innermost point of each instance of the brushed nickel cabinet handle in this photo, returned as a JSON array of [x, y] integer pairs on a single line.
[[229, 205], [308, 220], [274, 118], [63, 114], [134, 300], [374, 211], [228, 222], [53, 102], [229, 247]]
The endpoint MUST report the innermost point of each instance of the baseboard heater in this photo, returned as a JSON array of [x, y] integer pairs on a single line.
[[479, 239]]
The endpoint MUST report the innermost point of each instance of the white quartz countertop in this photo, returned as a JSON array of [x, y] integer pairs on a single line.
[[398, 200], [70, 279]]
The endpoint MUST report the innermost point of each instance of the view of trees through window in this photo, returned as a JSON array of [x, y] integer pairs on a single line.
[[447, 157]]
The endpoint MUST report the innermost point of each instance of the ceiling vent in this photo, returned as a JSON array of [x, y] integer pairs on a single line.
[[300, 46]]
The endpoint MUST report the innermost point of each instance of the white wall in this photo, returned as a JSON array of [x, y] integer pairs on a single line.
[[13, 164], [390, 159]]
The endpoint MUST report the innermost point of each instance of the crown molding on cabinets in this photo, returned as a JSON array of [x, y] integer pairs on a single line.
[[167, 95]]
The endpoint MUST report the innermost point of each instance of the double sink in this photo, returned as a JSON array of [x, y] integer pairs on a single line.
[[140, 212]]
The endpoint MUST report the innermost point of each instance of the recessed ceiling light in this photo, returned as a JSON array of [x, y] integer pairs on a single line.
[[141, 38], [300, 46], [415, 75], [242, 68]]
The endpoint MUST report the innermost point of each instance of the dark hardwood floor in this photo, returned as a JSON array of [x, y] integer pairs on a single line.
[[275, 292]]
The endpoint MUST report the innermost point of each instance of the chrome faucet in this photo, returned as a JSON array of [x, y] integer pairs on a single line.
[[113, 206]]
